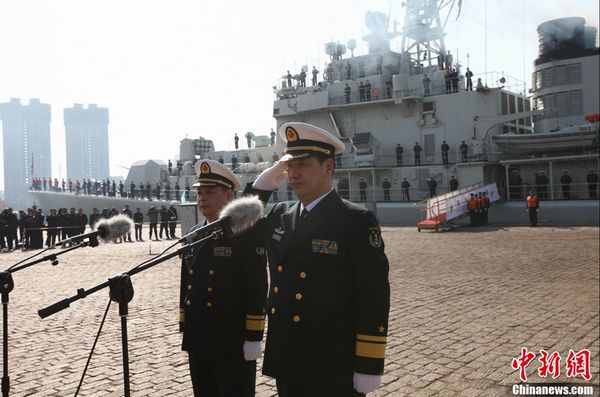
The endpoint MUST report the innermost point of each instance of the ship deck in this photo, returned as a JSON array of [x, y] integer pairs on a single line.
[[463, 305]]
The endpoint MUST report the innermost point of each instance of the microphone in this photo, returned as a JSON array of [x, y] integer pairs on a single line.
[[107, 229], [235, 218]]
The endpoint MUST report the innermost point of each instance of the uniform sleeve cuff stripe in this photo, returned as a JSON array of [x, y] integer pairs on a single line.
[[255, 325], [255, 317], [370, 350]]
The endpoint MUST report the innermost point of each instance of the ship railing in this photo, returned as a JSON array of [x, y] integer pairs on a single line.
[[396, 194], [554, 191], [408, 158], [576, 191], [163, 195], [495, 79], [376, 94]]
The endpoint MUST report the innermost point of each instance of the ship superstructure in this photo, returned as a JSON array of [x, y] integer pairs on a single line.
[[395, 110]]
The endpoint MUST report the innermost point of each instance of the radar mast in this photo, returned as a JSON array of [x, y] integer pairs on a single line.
[[423, 33]]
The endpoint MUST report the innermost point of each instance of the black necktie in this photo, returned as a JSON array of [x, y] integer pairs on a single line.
[[303, 214]]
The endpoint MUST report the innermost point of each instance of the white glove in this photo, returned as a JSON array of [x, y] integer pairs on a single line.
[[271, 178], [364, 383], [252, 350]]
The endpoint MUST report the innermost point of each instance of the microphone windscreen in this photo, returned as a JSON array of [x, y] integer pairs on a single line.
[[113, 228], [243, 213]]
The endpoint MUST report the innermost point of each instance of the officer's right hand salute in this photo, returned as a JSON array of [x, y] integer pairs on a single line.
[[272, 177], [329, 295]]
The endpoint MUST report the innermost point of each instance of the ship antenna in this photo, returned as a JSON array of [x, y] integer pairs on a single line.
[[485, 42], [524, 73]]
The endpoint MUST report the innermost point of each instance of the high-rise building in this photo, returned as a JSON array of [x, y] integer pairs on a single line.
[[27, 148], [87, 142]]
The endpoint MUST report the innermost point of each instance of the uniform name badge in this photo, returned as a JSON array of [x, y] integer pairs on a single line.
[[222, 251], [325, 247]]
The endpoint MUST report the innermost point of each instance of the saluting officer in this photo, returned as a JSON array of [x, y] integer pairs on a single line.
[[223, 297], [329, 295]]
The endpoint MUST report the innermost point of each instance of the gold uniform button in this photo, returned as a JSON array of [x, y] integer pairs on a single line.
[[302, 275], [279, 268], [189, 286], [272, 310], [190, 272], [276, 289], [298, 296], [296, 319], [211, 272], [209, 289], [208, 304], [188, 302]]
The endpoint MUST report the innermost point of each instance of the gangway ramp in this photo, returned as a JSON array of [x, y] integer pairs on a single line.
[[452, 206]]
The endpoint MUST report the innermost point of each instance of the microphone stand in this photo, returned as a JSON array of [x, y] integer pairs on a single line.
[[121, 292], [6, 286]]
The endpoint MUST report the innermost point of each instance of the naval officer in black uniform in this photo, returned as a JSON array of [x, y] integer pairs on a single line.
[[329, 294], [223, 297]]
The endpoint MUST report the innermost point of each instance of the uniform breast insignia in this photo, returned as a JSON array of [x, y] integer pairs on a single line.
[[260, 251], [325, 247], [222, 251], [278, 234], [375, 237]]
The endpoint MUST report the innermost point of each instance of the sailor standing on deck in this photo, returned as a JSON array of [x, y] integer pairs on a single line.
[[445, 148], [405, 189], [453, 183], [386, 185], [329, 295], [347, 91], [464, 148], [362, 187], [469, 76], [565, 182], [315, 74], [399, 152], [417, 151], [223, 297]]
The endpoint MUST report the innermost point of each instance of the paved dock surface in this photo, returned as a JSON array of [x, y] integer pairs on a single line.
[[464, 303]]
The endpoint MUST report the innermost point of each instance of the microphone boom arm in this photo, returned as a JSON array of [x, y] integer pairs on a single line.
[[50, 257], [82, 293]]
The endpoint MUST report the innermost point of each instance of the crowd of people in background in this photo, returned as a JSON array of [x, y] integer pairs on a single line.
[[34, 229], [108, 188]]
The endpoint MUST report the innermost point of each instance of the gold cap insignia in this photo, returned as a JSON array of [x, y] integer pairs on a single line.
[[291, 134], [205, 168]]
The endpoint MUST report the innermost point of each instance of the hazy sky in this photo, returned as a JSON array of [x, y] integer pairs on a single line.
[[167, 69]]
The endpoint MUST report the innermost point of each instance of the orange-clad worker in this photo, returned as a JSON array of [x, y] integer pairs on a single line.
[[532, 206], [481, 209], [472, 207], [486, 207]]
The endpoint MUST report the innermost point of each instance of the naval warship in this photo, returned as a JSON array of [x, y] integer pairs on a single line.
[[499, 138]]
